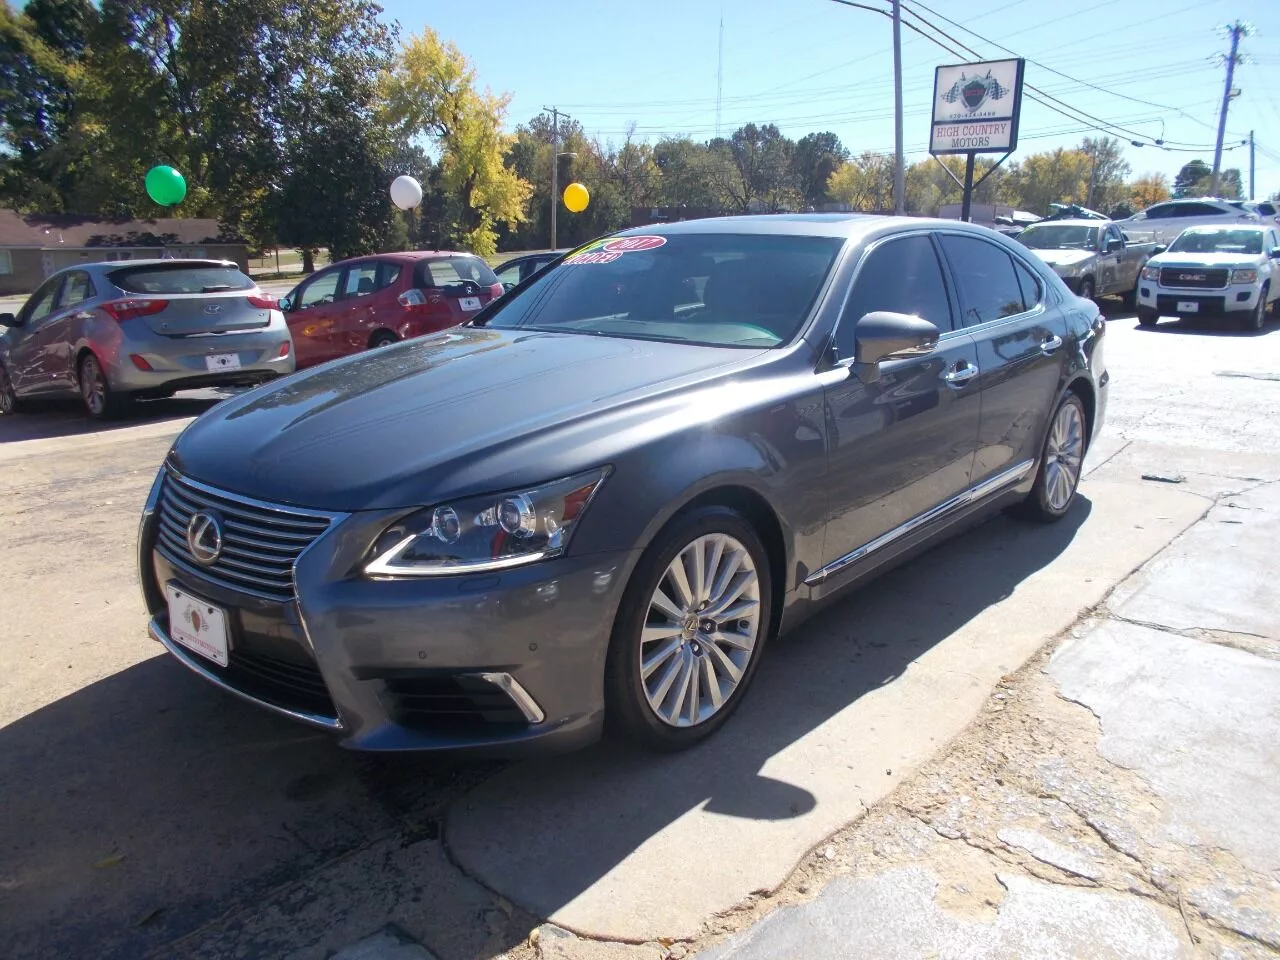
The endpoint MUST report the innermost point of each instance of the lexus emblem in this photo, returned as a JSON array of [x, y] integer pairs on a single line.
[[204, 537], [213, 308]]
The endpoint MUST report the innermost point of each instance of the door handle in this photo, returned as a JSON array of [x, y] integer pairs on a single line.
[[960, 374], [1051, 344]]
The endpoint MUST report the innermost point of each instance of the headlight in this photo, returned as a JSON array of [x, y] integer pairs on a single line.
[[1244, 276], [1150, 273], [1068, 270], [485, 533]]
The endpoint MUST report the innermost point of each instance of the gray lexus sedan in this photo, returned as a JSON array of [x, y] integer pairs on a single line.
[[597, 502], [110, 332]]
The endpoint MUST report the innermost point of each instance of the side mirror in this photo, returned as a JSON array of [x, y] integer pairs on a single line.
[[883, 336], [1114, 244], [1160, 248], [8, 320], [285, 304], [1275, 255], [508, 287]]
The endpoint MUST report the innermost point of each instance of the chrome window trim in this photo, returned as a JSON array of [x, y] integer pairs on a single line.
[[972, 495], [187, 660]]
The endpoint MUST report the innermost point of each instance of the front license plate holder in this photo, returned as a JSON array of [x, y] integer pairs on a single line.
[[197, 624], [1188, 306]]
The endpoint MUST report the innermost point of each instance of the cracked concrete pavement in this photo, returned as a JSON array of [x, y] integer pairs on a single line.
[[148, 816]]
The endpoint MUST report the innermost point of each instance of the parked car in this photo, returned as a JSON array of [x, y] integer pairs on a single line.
[[1092, 257], [1217, 271], [112, 332], [372, 302], [519, 269], [1267, 210], [1163, 222], [608, 492]]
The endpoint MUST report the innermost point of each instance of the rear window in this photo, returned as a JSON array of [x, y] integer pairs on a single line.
[[460, 275], [713, 288], [180, 278]]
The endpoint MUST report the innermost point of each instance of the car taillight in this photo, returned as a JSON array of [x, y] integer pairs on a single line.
[[263, 301], [495, 290], [122, 310], [414, 300]]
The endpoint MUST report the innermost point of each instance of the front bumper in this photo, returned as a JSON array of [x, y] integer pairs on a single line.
[[506, 663], [1217, 302]]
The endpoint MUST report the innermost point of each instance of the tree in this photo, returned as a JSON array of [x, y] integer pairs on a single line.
[[1148, 190], [1107, 172], [1193, 180], [686, 174], [432, 93], [816, 157], [864, 183], [754, 172], [1058, 176]]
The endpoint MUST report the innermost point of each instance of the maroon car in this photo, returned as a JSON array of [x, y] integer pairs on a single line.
[[373, 301]]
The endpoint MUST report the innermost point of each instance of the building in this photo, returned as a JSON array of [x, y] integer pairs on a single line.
[[34, 246]]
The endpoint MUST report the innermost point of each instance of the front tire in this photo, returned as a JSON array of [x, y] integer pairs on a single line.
[[1061, 460], [690, 632], [1148, 318], [1087, 288], [1129, 300], [383, 338], [100, 401], [1256, 318]]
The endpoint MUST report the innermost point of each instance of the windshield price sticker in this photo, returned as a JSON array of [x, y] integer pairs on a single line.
[[611, 250]]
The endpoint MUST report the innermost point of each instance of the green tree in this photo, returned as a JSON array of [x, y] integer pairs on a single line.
[[1107, 172], [1057, 176], [815, 158], [1192, 180], [864, 183], [431, 92], [754, 169], [686, 174]]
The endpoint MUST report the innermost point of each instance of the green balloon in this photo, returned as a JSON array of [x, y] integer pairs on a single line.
[[166, 186]]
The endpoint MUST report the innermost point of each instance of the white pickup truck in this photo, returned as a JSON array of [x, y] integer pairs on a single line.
[[1214, 271]]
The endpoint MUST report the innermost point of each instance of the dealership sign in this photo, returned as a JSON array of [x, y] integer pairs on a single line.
[[975, 107]]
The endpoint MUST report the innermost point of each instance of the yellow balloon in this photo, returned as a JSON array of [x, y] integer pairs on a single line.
[[576, 197]]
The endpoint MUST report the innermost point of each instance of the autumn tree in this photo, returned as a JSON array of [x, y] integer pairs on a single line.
[[432, 93], [864, 183], [1107, 172], [1148, 190]]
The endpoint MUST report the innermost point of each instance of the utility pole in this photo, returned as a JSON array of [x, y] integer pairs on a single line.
[[555, 170], [1251, 165], [1236, 30], [719, 74], [899, 169]]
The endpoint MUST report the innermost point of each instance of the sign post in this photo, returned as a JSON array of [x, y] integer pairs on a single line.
[[975, 110]]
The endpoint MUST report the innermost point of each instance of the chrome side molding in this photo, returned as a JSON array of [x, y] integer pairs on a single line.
[[975, 493]]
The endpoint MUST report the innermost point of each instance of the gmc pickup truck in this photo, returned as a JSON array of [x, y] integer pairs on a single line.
[[1093, 257]]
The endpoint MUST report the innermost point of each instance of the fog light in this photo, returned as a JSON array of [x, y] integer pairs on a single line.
[[140, 362], [1146, 292], [1241, 297]]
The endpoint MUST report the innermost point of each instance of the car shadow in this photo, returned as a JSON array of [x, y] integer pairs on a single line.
[[145, 806], [1209, 327], [45, 419]]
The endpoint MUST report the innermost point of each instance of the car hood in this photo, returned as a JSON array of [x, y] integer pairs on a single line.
[[1245, 261], [1064, 258], [417, 421]]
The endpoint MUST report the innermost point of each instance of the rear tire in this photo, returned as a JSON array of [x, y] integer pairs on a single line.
[[383, 338], [1148, 318], [699, 664], [100, 401], [1061, 460]]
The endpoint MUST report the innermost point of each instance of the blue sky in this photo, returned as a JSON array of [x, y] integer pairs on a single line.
[[810, 65]]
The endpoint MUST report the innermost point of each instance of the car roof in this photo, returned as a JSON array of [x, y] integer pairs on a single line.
[[152, 262], [407, 256], [1069, 223], [850, 226], [1216, 227]]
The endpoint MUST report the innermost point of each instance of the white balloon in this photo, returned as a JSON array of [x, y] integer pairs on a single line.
[[406, 192]]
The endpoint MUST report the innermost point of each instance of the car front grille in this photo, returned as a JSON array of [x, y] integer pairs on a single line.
[[297, 686], [260, 541], [1193, 278], [450, 704]]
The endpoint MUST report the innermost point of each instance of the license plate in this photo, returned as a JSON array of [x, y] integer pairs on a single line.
[[197, 625], [469, 303], [222, 361], [1188, 306]]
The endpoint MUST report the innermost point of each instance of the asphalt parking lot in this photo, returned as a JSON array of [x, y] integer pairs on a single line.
[[146, 814]]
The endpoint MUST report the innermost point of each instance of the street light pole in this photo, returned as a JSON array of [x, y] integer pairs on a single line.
[[899, 170], [555, 169]]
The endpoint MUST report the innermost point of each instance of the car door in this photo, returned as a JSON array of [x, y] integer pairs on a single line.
[[60, 332], [26, 344], [312, 316], [1021, 344], [904, 444], [354, 307]]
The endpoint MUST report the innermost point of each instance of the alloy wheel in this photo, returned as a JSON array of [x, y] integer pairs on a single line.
[[1064, 454], [701, 631], [93, 386]]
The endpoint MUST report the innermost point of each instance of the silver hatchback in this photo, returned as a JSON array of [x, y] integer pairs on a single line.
[[111, 332]]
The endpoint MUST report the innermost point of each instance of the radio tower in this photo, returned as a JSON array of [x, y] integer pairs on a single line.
[[719, 75]]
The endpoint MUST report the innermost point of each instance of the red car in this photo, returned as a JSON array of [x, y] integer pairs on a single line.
[[374, 301]]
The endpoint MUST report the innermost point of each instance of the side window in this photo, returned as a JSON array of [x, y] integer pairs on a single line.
[[1161, 211], [509, 274], [902, 276], [75, 289], [1113, 233], [1029, 283], [361, 280], [323, 289], [1199, 210], [388, 273], [41, 302], [988, 285]]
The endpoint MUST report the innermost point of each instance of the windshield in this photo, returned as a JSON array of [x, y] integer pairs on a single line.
[[1060, 237], [1218, 241], [712, 288]]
